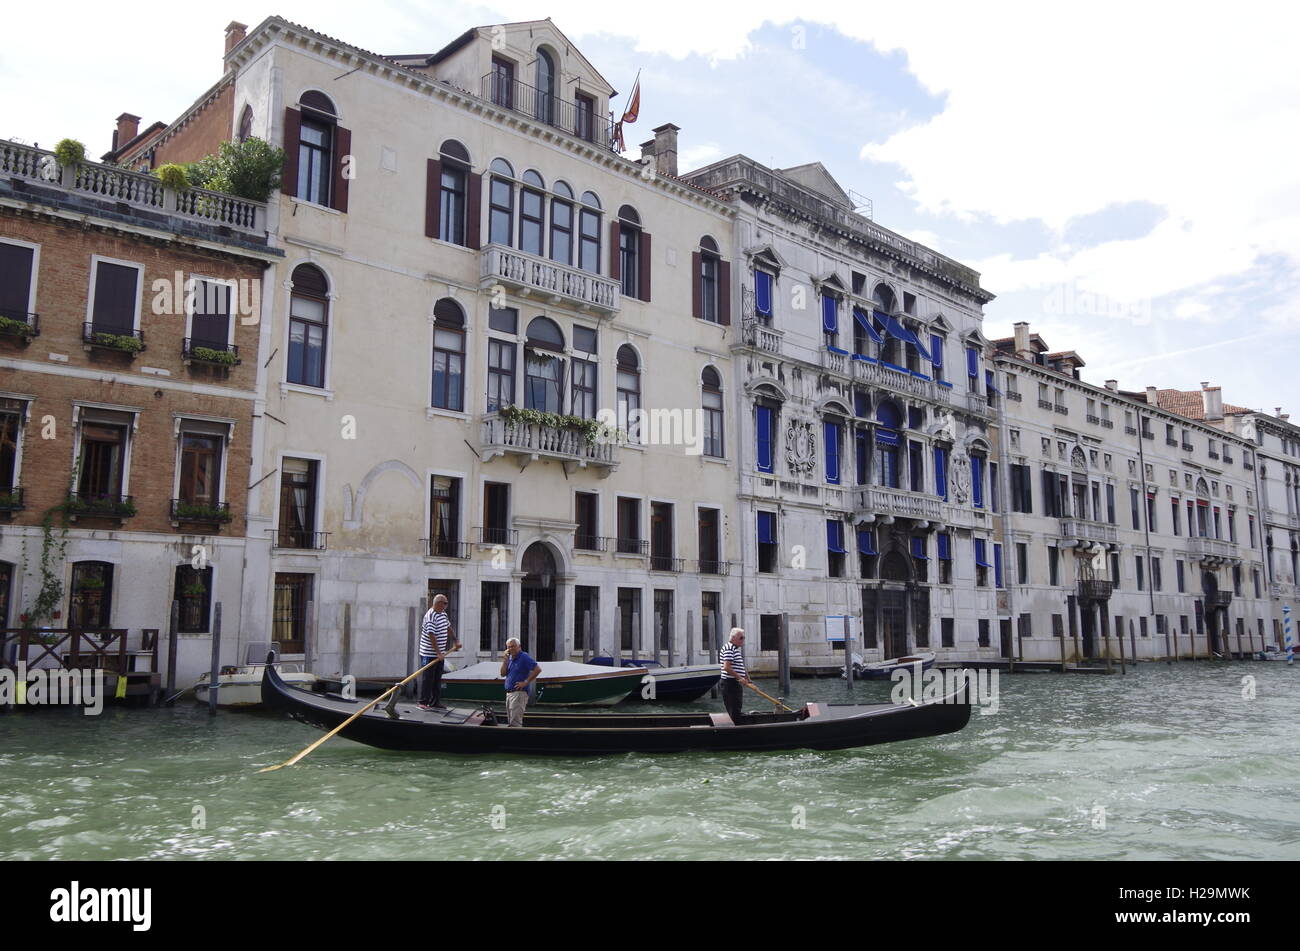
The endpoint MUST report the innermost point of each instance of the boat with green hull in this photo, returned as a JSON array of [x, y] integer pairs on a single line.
[[561, 683]]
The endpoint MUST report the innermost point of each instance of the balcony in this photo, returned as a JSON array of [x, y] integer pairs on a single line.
[[209, 354], [761, 336], [667, 563], [548, 109], [1227, 459], [11, 499], [1276, 590], [1061, 408], [837, 361], [1045, 404], [1093, 420], [1171, 442], [632, 546], [1148, 434], [1131, 430], [1212, 454], [19, 326], [298, 539], [1107, 424], [548, 281], [208, 513], [445, 548], [1095, 590], [1014, 396], [118, 186], [1211, 548], [116, 339], [99, 505], [978, 403], [1218, 599], [1247, 465], [590, 542], [901, 380], [527, 441], [490, 535], [1086, 530], [710, 567], [878, 500]]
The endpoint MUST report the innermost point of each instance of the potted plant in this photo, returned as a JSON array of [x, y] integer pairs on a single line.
[[195, 589], [201, 512], [16, 328], [173, 176], [70, 153], [123, 342], [210, 355]]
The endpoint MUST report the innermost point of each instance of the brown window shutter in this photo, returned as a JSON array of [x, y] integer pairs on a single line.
[[473, 210], [342, 155], [697, 266], [432, 197], [615, 262], [292, 132], [724, 293], [643, 261]]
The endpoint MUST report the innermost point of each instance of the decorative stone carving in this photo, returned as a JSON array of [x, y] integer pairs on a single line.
[[943, 428], [1077, 459], [801, 446], [959, 475]]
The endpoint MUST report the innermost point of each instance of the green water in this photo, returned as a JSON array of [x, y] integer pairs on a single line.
[[1166, 763]]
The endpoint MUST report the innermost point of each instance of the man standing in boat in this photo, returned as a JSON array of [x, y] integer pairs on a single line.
[[519, 670], [732, 657], [435, 637]]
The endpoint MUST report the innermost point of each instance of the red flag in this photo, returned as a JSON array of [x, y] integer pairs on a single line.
[[634, 101]]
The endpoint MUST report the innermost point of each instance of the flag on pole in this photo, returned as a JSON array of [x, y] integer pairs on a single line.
[[629, 114]]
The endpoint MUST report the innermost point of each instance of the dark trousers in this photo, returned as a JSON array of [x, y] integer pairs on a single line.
[[732, 696], [431, 682]]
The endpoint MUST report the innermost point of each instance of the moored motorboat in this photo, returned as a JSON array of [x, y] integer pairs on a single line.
[[1272, 653], [884, 669], [242, 686], [561, 683], [818, 726], [660, 684]]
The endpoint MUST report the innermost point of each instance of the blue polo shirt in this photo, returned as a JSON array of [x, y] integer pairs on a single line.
[[520, 666]]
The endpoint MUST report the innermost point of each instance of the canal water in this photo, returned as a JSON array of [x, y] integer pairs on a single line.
[[1193, 761]]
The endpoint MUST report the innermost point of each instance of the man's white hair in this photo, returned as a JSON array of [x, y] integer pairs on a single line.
[[735, 631], [513, 640]]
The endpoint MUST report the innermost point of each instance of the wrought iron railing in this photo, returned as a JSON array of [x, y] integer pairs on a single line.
[[183, 510], [547, 108], [632, 546], [298, 539], [18, 323], [205, 351], [495, 535], [119, 339]]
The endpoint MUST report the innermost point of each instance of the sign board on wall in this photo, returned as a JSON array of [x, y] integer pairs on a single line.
[[839, 626]]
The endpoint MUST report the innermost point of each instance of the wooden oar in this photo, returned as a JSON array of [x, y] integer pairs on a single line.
[[290, 762], [772, 700]]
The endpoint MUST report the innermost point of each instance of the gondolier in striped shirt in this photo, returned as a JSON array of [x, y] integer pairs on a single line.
[[436, 636], [732, 658]]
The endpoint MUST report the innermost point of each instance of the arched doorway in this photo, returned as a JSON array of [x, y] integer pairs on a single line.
[[1210, 585], [538, 590], [894, 575]]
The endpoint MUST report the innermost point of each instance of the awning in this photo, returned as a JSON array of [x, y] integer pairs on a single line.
[[980, 556], [945, 547], [988, 382], [887, 436], [865, 323], [918, 548], [897, 329], [763, 293], [767, 528], [936, 350], [866, 543], [835, 536], [830, 314]]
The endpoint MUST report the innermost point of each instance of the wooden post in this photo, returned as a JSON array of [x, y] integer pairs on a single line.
[[1168, 661], [712, 633], [688, 651], [412, 645], [1192, 634], [671, 622], [1240, 654], [346, 646], [173, 624], [616, 642], [1123, 668], [783, 659], [1104, 623], [636, 634], [532, 626], [215, 669], [586, 636], [1062, 652], [1072, 603], [1132, 641], [848, 655]]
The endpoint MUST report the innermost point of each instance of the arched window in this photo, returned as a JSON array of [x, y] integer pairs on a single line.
[[448, 355], [90, 606], [545, 87], [501, 204], [562, 224], [889, 421], [544, 367], [629, 250], [884, 299], [454, 186], [710, 289], [316, 147], [532, 205], [711, 385], [628, 401], [193, 591], [308, 326], [246, 124], [589, 233]]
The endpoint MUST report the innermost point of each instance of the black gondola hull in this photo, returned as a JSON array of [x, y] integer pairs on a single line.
[[832, 727]]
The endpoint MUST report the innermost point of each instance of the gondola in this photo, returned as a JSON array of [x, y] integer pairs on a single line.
[[467, 729]]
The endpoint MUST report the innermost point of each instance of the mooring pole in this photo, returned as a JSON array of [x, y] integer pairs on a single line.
[[1123, 668], [616, 642], [636, 633], [783, 663], [215, 668], [532, 626], [173, 624], [848, 655], [687, 651], [712, 623], [586, 635], [1062, 652]]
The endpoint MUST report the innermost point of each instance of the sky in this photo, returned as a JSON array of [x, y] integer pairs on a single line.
[[1124, 176]]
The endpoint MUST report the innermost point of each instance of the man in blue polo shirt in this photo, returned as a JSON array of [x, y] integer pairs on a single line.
[[520, 671]]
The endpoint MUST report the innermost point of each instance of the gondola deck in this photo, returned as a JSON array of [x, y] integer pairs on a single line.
[[469, 730]]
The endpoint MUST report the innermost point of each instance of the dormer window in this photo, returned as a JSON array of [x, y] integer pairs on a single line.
[[545, 105]]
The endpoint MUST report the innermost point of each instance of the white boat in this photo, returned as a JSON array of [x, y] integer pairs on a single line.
[[242, 686], [1271, 653], [884, 670]]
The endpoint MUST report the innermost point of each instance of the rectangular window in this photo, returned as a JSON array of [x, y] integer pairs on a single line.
[[210, 319], [561, 231], [17, 274], [1254, 574], [293, 592], [501, 375], [661, 536], [1176, 516], [531, 204], [709, 288], [101, 463], [1110, 504], [1058, 625], [586, 512], [116, 303], [1151, 513], [193, 592], [981, 564], [993, 487], [1133, 503], [496, 513], [710, 619], [763, 295], [200, 476], [444, 516], [973, 369], [501, 212], [835, 548], [315, 165], [589, 240], [1236, 580], [1114, 571], [448, 368], [765, 436], [307, 326], [1157, 580], [941, 472], [767, 557], [584, 389], [711, 403], [1026, 625], [451, 203], [983, 632], [1053, 566], [299, 491], [586, 613], [629, 605], [1022, 563], [585, 117], [710, 541], [629, 254], [831, 437], [1181, 576], [997, 565], [543, 374], [946, 632], [944, 545], [977, 481], [769, 628], [12, 414], [1141, 568], [629, 526]]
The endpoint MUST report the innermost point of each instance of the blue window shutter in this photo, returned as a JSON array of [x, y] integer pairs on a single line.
[[918, 548], [861, 405], [997, 565], [862, 448], [936, 350], [972, 362], [945, 547], [831, 435], [977, 481], [766, 528], [763, 293], [941, 472], [835, 536], [764, 438], [830, 314], [866, 543]]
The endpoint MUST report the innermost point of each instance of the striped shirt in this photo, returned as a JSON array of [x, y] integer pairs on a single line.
[[733, 653], [436, 624]]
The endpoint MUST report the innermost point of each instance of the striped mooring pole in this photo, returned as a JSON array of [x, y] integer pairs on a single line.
[[1286, 634]]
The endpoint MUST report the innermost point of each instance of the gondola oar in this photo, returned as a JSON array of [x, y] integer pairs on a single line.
[[290, 762], [772, 700]]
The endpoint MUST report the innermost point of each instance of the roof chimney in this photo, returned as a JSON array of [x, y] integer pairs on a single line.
[[1212, 401], [128, 127], [665, 149], [1022, 340], [1112, 385], [1151, 396], [235, 32]]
